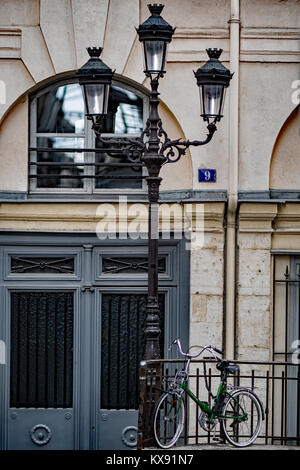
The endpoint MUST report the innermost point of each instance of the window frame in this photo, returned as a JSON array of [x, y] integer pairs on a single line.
[[89, 142]]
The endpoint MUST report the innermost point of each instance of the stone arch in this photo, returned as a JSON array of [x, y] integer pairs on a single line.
[[285, 161]]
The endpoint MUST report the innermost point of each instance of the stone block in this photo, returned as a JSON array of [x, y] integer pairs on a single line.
[[198, 308], [207, 272], [204, 333], [17, 81], [35, 54], [89, 20], [254, 272], [254, 241], [254, 321], [122, 19], [57, 27], [249, 353], [19, 12]]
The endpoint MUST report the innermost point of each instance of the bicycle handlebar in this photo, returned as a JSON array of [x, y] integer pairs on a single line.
[[209, 347]]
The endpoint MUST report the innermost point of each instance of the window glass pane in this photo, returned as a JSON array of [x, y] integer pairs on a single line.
[[61, 168], [125, 112], [114, 177], [61, 110]]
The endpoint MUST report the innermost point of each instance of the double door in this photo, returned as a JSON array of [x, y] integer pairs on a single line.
[[74, 334]]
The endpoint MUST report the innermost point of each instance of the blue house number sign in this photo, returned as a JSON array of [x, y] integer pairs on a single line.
[[206, 176]]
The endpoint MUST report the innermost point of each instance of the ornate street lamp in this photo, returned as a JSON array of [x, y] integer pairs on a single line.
[[155, 34], [153, 148], [95, 77], [212, 78]]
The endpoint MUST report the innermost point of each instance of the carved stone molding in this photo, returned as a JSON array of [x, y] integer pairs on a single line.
[[10, 43]]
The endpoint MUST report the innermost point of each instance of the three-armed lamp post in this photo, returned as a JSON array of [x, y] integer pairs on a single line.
[[153, 148]]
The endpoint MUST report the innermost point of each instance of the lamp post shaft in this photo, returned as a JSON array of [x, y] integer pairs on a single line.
[[153, 161]]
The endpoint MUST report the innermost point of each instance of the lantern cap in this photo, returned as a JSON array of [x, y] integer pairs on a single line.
[[94, 67], [213, 71], [155, 27]]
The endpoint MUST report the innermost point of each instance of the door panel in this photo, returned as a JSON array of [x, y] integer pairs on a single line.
[[41, 369], [74, 328], [40, 429], [123, 319], [122, 347]]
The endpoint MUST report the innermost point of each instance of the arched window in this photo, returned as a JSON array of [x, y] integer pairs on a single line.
[[61, 141]]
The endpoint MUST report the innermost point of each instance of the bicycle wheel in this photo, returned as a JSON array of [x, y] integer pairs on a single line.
[[168, 419], [243, 418]]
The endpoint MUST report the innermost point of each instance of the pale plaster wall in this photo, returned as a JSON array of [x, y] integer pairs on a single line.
[[13, 149], [14, 154], [178, 87], [177, 175], [265, 104], [270, 13], [41, 39], [285, 162], [19, 12]]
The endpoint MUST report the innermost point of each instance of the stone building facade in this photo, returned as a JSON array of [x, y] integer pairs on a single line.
[[224, 289]]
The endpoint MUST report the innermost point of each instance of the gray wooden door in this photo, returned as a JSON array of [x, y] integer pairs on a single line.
[[41, 293], [74, 331], [122, 344], [41, 411]]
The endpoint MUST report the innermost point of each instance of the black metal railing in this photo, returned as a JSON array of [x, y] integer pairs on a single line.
[[286, 310], [276, 383], [286, 333], [63, 167]]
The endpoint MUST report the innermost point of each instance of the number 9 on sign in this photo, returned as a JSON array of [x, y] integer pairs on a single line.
[[206, 175]]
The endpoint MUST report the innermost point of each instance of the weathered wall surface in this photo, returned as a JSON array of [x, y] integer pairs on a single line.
[[40, 40]]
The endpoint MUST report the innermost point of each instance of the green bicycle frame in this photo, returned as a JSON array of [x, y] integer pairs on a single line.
[[207, 409]]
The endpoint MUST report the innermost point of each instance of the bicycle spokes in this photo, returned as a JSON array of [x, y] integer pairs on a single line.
[[168, 419], [242, 418]]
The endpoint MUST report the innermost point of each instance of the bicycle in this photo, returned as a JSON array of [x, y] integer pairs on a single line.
[[238, 409]]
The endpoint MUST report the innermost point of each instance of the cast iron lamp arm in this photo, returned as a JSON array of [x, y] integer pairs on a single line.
[[174, 149], [153, 134], [132, 147]]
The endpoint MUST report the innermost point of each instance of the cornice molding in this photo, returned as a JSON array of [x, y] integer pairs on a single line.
[[257, 44], [10, 43], [270, 33]]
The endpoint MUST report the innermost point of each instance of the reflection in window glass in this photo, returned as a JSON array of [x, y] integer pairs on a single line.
[[60, 176], [125, 112], [114, 177], [60, 124], [61, 110]]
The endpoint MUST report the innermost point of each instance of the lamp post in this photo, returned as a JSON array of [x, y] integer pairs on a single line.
[[153, 148]]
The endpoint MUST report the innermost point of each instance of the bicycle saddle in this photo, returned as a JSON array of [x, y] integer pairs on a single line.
[[225, 366]]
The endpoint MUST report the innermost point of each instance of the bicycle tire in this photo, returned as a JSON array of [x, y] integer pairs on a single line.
[[239, 432], [168, 419]]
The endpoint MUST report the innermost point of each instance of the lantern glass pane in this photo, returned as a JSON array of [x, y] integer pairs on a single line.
[[95, 95], [155, 56], [106, 97], [223, 100], [211, 100]]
